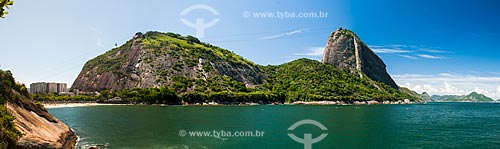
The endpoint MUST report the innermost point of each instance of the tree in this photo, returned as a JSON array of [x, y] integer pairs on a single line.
[[190, 39], [4, 4]]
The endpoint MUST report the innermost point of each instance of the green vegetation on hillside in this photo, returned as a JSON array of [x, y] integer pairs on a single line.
[[169, 56], [347, 33], [192, 71], [191, 47], [8, 133], [109, 61], [310, 80], [56, 97], [299, 80]]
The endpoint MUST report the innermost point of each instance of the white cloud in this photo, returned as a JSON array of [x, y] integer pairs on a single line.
[[408, 56], [386, 50], [429, 56], [313, 51], [483, 91], [452, 90], [433, 50], [423, 88], [450, 84], [447, 74], [408, 51], [283, 34]]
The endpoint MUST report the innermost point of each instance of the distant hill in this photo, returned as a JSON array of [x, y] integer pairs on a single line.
[[472, 97]]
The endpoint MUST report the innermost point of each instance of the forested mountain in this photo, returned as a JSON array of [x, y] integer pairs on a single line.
[[157, 63]]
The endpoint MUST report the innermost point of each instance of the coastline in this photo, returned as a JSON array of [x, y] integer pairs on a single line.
[[86, 104], [370, 102]]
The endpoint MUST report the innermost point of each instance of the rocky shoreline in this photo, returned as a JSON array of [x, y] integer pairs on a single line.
[[40, 129], [369, 102], [349, 102]]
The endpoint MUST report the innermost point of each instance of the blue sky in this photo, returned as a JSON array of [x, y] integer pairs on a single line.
[[442, 47]]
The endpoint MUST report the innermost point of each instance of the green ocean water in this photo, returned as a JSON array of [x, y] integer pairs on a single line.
[[431, 125]]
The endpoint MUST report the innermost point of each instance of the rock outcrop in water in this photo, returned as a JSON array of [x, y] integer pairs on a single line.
[[40, 129], [345, 50]]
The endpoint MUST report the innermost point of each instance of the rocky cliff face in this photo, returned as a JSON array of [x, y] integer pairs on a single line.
[[40, 129], [185, 64], [32, 126], [345, 50], [156, 59]]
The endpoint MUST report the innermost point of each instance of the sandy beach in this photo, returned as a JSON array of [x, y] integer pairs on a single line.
[[64, 105]]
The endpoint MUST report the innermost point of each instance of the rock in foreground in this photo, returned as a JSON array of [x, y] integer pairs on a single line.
[[33, 127], [40, 132]]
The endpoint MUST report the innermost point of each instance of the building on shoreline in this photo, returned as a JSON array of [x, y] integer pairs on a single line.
[[45, 88]]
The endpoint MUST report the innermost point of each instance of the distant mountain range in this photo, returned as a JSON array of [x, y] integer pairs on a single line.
[[472, 97]]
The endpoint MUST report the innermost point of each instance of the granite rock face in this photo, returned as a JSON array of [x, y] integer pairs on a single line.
[[345, 50], [26, 124], [156, 59], [40, 129]]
